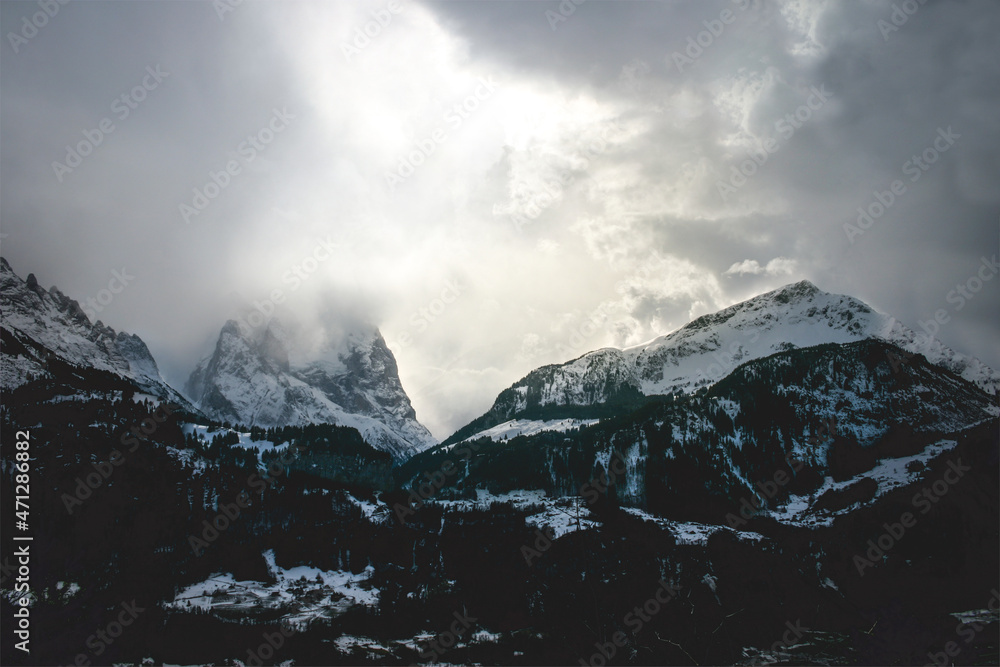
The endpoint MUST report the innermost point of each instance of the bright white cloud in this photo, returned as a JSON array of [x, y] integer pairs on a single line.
[[779, 266]]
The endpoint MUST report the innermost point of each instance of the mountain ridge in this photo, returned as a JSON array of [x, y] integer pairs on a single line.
[[46, 323], [272, 377], [836, 408], [712, 346]]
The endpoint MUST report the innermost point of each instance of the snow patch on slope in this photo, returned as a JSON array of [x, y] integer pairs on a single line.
[[515, 427], [333, 592], [889, 474]]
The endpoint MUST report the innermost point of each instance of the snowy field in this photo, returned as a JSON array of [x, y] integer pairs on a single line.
[[301, 595], [515, 427], [563, 514], [297, 596], [692, 532]]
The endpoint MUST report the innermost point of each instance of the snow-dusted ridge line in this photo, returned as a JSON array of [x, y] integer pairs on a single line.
[[517, 427], [706, 350], [36, 317], [794, 316]]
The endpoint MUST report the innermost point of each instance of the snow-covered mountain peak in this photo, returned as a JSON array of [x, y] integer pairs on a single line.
[[706, 350], [285, 373], [794, 316], [794, 291], [47, 323]]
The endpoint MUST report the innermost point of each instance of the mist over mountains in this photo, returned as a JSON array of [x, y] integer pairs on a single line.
[[292, 489], [279, 374], [499, 333], [283, 376]]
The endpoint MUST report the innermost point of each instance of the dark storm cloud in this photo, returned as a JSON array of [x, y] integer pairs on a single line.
[[119, 208], [896, 79]]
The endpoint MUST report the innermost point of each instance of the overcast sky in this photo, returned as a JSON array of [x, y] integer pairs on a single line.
[[561, 179]]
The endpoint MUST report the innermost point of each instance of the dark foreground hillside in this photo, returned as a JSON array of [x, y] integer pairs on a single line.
[[464, 583]]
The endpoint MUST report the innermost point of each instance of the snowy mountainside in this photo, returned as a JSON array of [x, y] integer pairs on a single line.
[[794, 316], [866, 387], [711, 347], [837, 408], [39, 324], [518, 427], [278, 375]]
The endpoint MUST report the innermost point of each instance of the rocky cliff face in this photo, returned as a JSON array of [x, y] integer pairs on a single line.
[[40, 324], [276, 375]]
